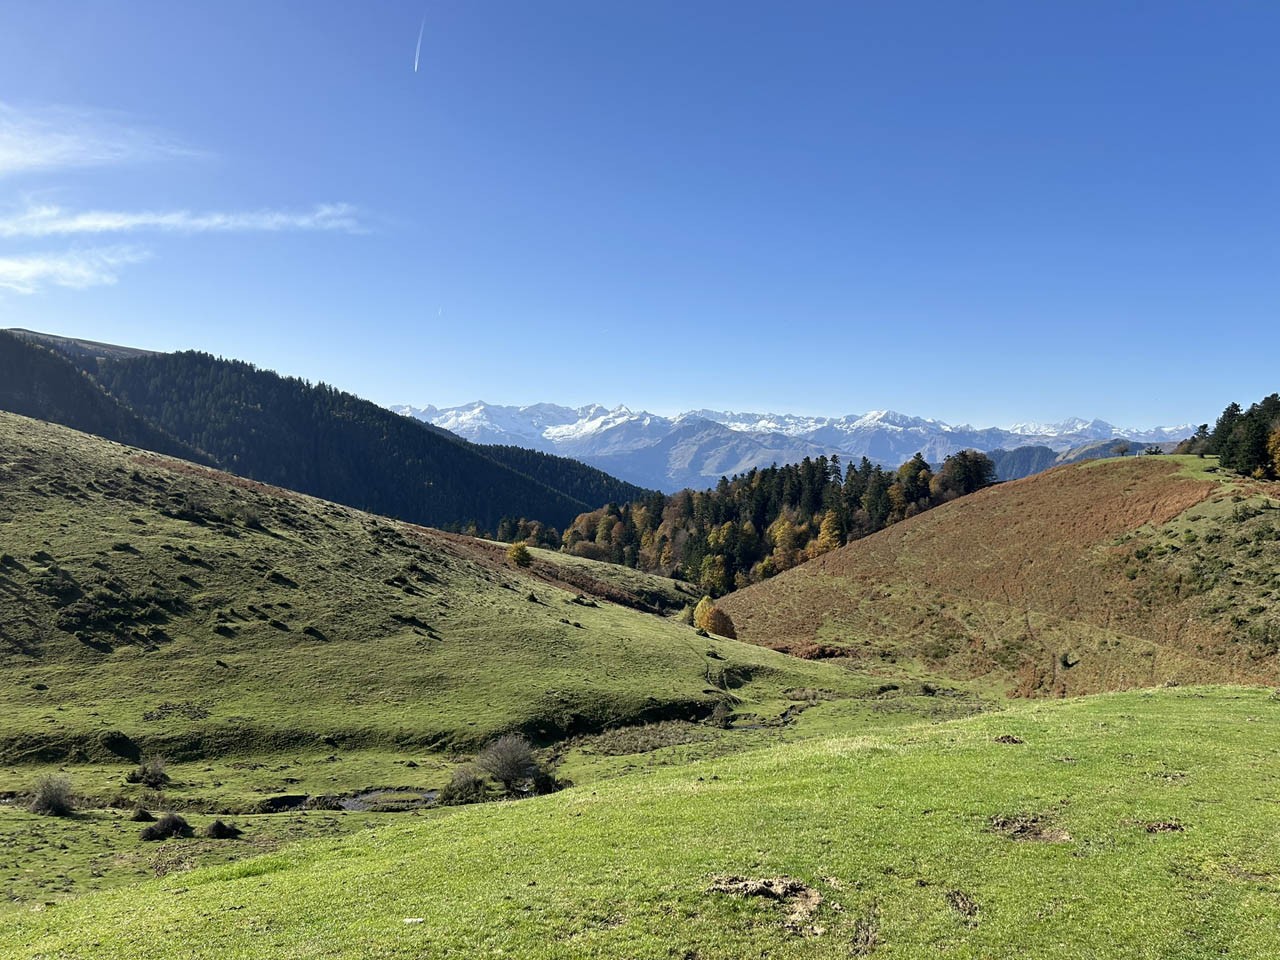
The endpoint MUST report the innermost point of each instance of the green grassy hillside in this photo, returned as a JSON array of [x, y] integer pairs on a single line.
[[266, 644], [272, 620], [1131, 825]]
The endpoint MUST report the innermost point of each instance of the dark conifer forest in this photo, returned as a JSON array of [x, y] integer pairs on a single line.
[[41, 383], [286, 431], [322, 441], [1245, 441], [765, 521]]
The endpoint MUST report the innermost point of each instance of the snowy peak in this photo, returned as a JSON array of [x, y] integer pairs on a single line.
[[697, 447]]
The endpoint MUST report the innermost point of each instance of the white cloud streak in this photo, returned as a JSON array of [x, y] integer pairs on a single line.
[[54, 138], [51, 221], [77, 269]]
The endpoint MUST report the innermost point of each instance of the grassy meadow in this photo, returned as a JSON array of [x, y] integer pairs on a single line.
[[275, 649], [315, 675], [1140, 824]]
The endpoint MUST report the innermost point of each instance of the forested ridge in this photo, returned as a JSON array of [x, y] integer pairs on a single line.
[[572, 477], [320, 440], [765, 521], [41, 383]]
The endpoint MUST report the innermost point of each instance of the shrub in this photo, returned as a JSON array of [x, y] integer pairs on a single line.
[[150, 773], [510, 761], [221, 831], [142, 815], [707, 616], [170, 825], [465, 786], [52, 797], [544, 781], [519, 554]]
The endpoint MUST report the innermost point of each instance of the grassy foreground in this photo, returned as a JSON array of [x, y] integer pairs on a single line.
[[1142, 824], [272, 646]]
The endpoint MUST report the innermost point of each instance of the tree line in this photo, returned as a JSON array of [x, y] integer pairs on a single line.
[[1245, 441], [760, 523]]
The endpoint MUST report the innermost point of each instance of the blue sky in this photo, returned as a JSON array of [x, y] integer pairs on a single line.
[[977, 211]]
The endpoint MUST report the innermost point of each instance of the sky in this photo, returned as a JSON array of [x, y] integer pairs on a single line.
[[983, 212]]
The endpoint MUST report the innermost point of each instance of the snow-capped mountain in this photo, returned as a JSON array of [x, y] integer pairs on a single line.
[[697, 448]]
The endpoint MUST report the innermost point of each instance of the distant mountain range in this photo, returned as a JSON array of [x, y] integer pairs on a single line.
[[697, 448]]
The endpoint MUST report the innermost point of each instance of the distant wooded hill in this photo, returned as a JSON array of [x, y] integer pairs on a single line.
[[41, 383], [282, 430], [1091, 576], [765, 521]]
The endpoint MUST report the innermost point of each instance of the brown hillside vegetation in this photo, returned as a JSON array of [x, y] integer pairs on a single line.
[[1089, 577]]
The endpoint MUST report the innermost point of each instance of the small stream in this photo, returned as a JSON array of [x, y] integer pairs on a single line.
[[388, 801]]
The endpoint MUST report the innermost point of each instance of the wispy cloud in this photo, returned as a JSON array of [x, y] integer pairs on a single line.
[[51, 138], [75, 268], [50, 221]]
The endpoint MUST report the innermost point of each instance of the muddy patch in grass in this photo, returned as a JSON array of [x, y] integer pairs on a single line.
[[800, 899], [963, 904], [866, 933], [1030, 827], [1163, 826]]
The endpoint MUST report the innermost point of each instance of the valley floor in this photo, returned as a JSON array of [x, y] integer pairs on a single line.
[[1141, 824]]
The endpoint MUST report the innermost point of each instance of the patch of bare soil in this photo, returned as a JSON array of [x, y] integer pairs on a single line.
[[801, 900], [1163, 826], [866, 933], [1008, 738], [963, 904], [1028, 827], [1242, 873]]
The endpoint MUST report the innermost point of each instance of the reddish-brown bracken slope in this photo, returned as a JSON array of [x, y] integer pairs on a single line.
[[1089, 577]]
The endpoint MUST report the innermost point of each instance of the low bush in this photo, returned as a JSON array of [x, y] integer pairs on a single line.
[[150, 773], [170, 825], [52, 797], [142, 815], [465, 786], [510, 761], [221, 831]]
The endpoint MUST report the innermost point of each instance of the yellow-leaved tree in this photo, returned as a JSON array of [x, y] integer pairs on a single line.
[[707, 616]]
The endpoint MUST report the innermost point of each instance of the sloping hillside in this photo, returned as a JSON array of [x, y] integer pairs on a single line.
[[1136, 825], [199, 614], [321, 441], [84, 350], [1097, 576], [290, 432], [38, 382]]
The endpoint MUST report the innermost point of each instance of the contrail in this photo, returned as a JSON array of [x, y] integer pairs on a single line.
[[418, 52]]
